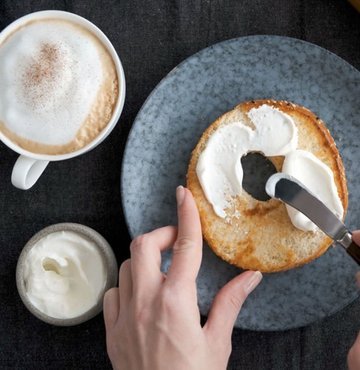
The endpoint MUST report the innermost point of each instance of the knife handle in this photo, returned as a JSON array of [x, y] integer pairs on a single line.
[[354, 251]]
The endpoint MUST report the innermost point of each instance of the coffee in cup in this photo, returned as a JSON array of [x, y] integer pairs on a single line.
[[59, 86], [62, 90]]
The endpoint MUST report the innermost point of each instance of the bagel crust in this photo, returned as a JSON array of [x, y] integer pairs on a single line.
[[261, 235]]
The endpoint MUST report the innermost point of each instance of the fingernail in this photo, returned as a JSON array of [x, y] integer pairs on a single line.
[[253, 281], [180, 195]]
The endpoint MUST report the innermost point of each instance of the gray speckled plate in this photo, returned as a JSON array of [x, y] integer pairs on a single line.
[[185, 102]]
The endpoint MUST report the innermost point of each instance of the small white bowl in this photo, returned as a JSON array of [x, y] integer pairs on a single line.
[[109, 262]]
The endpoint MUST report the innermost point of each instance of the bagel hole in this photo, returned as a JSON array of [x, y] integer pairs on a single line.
[[257, 169]]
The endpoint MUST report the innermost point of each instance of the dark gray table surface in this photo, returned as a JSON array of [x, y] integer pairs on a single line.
[[151, 38]]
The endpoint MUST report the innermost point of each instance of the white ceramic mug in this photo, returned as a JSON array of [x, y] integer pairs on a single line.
[[29, 166]]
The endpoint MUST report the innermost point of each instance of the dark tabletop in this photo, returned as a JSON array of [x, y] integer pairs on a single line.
[[152, 37]]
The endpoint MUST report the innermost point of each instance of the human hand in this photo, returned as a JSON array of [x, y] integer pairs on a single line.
[[152, 320], [354, 353]]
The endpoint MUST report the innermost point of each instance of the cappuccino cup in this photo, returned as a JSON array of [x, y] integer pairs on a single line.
[[62, 90]]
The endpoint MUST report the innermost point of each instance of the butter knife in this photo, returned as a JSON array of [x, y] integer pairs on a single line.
[[292, 192]]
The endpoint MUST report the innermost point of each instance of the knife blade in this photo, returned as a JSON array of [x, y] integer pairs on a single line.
[[292, 192]]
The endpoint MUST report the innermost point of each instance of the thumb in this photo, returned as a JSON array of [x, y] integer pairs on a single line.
[[227, 304]]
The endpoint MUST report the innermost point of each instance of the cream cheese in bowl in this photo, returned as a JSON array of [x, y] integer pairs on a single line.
[[63, 273]]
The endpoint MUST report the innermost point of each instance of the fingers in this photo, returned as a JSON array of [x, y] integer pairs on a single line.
[[115, 297], [356, 236], [111, 307], [357, 276], [356, 239], [227, 304], [125, 283], [353, 357], [187, 250], [146, 257]]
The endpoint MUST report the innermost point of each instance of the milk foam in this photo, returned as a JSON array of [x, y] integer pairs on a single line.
[[58, 86]]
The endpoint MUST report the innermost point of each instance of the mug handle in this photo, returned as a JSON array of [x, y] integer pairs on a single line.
[[27, 171]]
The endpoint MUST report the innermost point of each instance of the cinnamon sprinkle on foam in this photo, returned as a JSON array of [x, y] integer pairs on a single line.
[[39, 78]]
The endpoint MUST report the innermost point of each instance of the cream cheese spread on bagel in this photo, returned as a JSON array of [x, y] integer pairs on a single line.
[[220, 171]]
